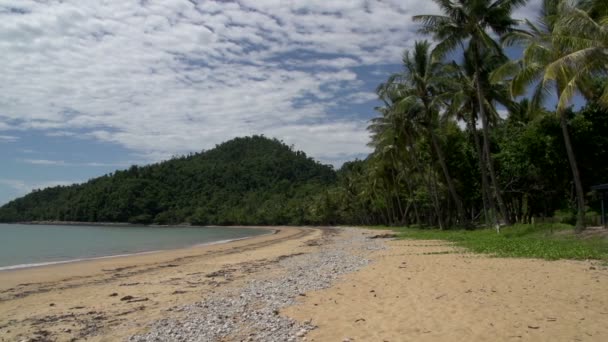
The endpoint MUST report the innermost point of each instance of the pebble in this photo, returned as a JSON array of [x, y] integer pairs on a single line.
[[231, 315]]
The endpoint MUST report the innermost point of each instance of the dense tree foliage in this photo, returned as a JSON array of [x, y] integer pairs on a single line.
[[431, 160], [251, 180], [404, 186]]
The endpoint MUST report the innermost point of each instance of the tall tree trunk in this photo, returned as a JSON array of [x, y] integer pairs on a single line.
[[446, 174], [396, 186], [486, 146], [578, 185], [430, 186], [488, 200], [433, 184], [411, 191]]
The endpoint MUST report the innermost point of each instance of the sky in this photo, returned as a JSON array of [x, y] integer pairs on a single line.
[[91, 86]]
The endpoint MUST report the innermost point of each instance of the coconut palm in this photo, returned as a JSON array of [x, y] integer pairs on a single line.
[[562, 51], [400, 134], [473, 22], [581, 33], [420, 86], [463, 104]]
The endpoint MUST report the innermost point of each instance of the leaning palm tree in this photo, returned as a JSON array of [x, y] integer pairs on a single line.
[[421, 87], [562, 51], [473, 21], [398, 133], [463, 104]]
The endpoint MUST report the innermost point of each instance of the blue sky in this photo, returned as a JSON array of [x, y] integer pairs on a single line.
[[91, 86]]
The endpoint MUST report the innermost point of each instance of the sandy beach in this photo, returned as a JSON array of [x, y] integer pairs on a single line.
[[308, 284], [86, 300], [432, 291]]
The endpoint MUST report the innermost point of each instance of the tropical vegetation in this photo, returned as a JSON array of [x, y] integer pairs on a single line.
[[513, 166], [247, 181]]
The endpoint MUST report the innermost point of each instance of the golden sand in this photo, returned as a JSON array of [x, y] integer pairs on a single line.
[[431, 291]]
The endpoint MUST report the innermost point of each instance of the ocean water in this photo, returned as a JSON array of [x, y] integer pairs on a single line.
[[35, 245]]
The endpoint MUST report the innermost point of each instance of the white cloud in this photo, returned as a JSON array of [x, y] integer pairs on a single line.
[[64, 163], [168, 77], [22, 187], [8, 138], [531, 11], [44, 162]]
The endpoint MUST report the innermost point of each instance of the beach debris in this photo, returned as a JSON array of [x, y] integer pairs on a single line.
[[114, 294], [125, 298], [138, 300], [533, 327], [383, 236], [128, 284]]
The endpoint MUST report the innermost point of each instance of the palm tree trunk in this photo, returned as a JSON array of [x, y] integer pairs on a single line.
[[446, 174], [430, 186], [396, 186], [488, 201], [411, 191], [435, 193], [580, 196], [486, 147]]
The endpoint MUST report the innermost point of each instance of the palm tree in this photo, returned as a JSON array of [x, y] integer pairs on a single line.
[[421, 88], [463, 104], [562, 51], [582, 33], [397, 133], [473, 21]]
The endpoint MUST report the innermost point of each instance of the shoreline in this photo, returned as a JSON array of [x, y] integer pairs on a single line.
[[17, 267], [9, 268], [90, 265], [114, 298]]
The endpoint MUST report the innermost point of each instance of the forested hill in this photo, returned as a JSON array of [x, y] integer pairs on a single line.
[[252, 180]]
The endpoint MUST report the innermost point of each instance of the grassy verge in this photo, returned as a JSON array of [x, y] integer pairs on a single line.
[[545, 241]]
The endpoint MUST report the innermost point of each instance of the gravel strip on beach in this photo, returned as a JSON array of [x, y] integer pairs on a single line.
[[252, 313]]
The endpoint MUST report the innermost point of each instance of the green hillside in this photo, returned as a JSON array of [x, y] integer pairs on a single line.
[[252, 180]]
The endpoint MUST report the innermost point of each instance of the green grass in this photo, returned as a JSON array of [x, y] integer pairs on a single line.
[[545, 241]]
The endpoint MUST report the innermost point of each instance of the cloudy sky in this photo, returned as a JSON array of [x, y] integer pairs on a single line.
[[90, 86]]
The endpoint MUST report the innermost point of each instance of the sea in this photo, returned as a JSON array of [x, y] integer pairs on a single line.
[[23, 246]]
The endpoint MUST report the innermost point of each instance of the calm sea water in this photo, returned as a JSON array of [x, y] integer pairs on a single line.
[[35, 245]]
